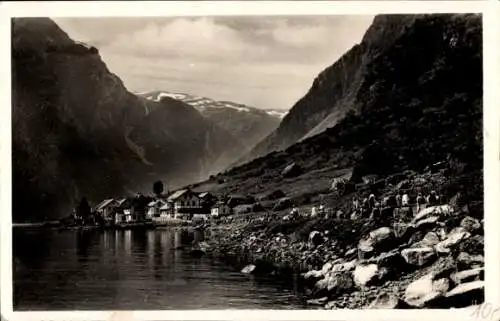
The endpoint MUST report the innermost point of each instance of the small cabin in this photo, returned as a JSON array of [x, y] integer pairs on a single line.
[[220, 209], [153, 208], [185, 202], [107, 208]]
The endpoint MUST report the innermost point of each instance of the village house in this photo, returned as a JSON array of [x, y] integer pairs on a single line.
[[207, 200], [166, 212], [154, 207], [220, 209], [184, 203], [106, 209]]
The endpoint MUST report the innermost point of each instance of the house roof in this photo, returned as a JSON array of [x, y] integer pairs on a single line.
[[156, 202], [177, 194], [104, 203], [121, 201], [165, 207], [203, 194]]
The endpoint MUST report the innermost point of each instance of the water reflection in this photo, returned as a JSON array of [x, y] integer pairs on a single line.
[[102, 270]]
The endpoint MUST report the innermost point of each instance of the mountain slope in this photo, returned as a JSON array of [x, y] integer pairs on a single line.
[[77, 131], [420, 102], [247, 124], [334, 92]]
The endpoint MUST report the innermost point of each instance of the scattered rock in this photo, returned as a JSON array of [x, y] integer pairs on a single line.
[[430, 239], [363, 275], [376, 241], [454, 237], [418, 256], [385, 301], [439, 211], [344, 267], [313, 274], [320, 301], [465, 294], [425, 291], [248, 269], [470, 224], [467, 260], [351, 253], [335, 283], [468, 275], [431, 220]]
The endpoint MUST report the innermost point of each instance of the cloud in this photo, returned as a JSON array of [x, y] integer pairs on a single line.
[[266, 62], [184, 37]]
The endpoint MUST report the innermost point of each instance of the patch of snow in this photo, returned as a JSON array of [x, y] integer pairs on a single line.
[[277, 113], [174, 96], [243, 109]]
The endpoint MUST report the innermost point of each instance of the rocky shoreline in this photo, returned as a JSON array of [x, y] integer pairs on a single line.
[[436, 260]]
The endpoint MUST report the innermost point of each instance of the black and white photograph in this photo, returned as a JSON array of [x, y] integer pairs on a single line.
[[243, 162]]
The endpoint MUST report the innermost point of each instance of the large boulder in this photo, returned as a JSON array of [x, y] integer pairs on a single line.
[[418, 256], [364, 275], [453, 238], [470, 224], [467, 260], [386, 301], [430, 239], [282, 204], [426, 291], [468, 275], [440, 211], [248, 269], [465, 294], [335, 283], [344, 267], [376, 242]]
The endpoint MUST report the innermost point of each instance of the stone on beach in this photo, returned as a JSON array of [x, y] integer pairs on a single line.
[[376, 240], [465, 294], [418, 256], [363, 275], [453, 238], [315, 238], [320, 301], [385, 301], [469, 260], [470, 224], [467, 275], [426, 290], [248, 269], [439, 211]]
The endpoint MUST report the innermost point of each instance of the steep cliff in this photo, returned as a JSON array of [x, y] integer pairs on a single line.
[[419, 102], [77, 131], [338, 89]]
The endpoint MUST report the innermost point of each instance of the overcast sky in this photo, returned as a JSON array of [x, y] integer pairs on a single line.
[[265, 62]]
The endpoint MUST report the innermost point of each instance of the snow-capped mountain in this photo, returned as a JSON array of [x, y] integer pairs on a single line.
[[202, 103], [249, 124]]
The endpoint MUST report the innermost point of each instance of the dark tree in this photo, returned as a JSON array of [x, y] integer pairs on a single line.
[[158, 188], [83, 209]]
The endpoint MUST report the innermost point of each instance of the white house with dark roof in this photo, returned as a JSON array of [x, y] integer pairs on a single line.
[[184, 202], [107, 209], [154, 207]]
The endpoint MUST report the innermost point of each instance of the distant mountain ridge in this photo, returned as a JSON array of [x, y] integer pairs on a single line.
[[202, 103], [247, 124]]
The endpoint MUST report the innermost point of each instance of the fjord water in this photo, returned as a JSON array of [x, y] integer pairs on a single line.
[[139, 270]]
